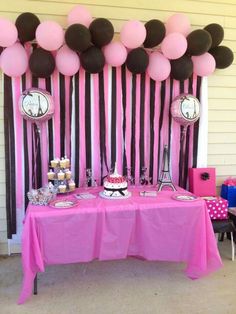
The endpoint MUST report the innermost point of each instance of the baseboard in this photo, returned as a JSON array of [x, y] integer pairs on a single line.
[[15, 248]]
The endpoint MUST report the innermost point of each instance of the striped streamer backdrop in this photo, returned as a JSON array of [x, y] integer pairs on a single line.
[[99, 119]]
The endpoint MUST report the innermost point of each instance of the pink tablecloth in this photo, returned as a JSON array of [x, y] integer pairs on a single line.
[[157, 228]]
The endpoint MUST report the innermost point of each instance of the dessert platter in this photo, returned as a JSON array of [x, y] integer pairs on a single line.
[[115, 186], [60, 175]]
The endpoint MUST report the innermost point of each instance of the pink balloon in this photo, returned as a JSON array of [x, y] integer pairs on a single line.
[[115, 53], [204, 64], [178, 23], [67, 61], [8, 33], [14, 60], [133, 34], [174, 46], [49, 35], [79, 14], [158, 67]]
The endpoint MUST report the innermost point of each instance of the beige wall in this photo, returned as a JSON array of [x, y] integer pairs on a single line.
[[222, 85]]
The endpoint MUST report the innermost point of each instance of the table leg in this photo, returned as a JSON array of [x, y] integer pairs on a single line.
[[36, 284]]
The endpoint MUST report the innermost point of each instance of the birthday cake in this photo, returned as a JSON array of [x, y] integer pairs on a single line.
[[115, 186]]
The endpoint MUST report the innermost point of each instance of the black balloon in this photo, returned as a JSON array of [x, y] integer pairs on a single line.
[[102, 32], [41, 63], [182, 68], [26, 24], [78, 37], [155, 33], [217, 33], [92, 60], [223, 56], [137, 61], [199, 42]]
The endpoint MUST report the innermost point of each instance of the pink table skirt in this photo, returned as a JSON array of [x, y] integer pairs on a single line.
[[155, 228]]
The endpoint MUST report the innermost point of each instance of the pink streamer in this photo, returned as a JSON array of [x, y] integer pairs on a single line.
[[56, 116], [106, 96], [82, 148], [147, 124], [67, 116], [156, 130], [96, 129], [128, 117]]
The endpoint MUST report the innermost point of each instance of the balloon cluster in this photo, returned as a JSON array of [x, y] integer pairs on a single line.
[[161, 50]]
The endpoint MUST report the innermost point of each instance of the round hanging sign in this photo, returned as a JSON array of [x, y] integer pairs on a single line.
[[36, 105], [185, 109]]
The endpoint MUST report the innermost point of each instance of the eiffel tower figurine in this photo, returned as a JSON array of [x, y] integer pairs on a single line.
[[165, 178]]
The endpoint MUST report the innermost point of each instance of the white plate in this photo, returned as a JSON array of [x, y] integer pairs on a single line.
[[63, 203], [184, 197], [115, 197]]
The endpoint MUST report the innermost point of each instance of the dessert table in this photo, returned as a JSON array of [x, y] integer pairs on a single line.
[[155, 228]]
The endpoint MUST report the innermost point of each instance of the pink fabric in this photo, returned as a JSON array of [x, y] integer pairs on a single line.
[[147, 124], [82, 148], [56, 116], [128, 117], [137, 129], [152, 228], [156, 130], [95, 128], [119, 115], [67, 117], [217, 208]]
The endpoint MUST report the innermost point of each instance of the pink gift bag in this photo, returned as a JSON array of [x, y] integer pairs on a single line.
[[217, 208], [202, 181]]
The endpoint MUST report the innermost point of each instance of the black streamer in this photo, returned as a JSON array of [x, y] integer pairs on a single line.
[[170, 117], [152, 113], [142, 114], [62, 113], [181, 150], [88, 120], [50, 124], [163, 93], [77, 129], [123, 84], [134, 79], [113, 118]]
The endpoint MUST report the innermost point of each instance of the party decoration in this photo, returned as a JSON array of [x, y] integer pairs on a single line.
[[203, 65], [133, 34], [174, 46], [182, 68], [155, 33], [26, 24], [159, 67], [178, 23], [8, 34], [137, 61], [199, 42], [67, 61], [78, 37], [92, 60], [217, 33], [79, 15], [115, 53], [41, 63], [14, 60], [102, 32], [185, 109], [36, 105], [223, 56], [49, 35]]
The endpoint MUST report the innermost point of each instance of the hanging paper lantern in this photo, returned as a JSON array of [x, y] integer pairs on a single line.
[[137, 61], [49, 35], [133, 34], [36, 105], [203, 65], [178, 23], [8, 33], [67, 61], [26, 24], [41, 63], [182, 68], [159, 67], [217, 33], [79, 15], [78, 37], [155, 33], [102, 32], [174, 46], [115, 53], [185, 109], [92, 60], [223, 56], [199, 42], [14, 60]]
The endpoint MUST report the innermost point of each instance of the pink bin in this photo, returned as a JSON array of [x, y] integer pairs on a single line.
[[202, 181]]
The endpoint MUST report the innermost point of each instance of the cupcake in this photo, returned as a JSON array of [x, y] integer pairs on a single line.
[[51, 175], [61, 175], [62, 188], [54, 163], [71, 185], [68, 174], [67, 160], [63, 163]]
